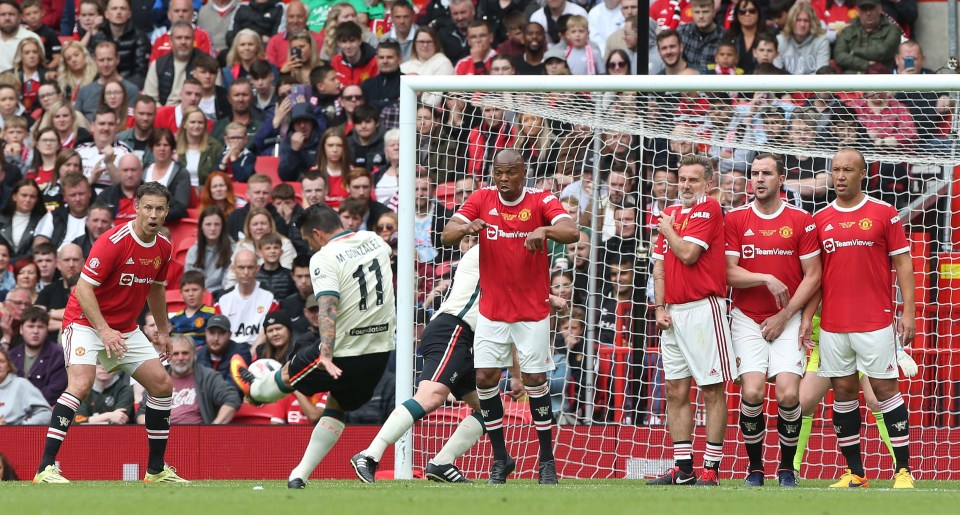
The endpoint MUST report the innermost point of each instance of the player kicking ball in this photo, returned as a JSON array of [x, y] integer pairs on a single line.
[[862, 239], [353, 283], [127, 266], [773, 265]]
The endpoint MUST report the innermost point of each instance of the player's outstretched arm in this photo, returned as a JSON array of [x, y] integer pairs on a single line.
[[457, 228], [328, 333], [112, 339], [157, 301], [907, 325]]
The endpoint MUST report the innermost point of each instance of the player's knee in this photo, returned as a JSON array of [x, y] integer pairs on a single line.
[[752, 394], [488, 377], [713, 393], [678, 391], [788, 398], [534, 379], [162, 387]]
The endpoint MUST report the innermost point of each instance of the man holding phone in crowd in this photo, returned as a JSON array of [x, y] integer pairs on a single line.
[[930, 109]]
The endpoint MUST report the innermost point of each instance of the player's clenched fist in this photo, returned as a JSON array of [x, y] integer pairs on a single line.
[[536, 240], [664, 321], [666, 222], [475, 227]]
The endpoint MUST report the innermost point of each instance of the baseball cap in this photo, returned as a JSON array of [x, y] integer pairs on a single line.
[[302, 112], [861, 3], [555, 53], [311, 301], [277, 317], [219, 321]]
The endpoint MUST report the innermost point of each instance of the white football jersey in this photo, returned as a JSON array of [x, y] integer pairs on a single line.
[[246, 314], [462, 301], [355, 267]]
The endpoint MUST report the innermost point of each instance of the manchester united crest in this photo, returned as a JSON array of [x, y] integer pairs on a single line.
[[157, 262], [865, 223], [786, 231], [524, 215]]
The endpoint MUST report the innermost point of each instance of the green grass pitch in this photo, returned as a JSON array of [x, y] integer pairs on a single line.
[[523, 497]]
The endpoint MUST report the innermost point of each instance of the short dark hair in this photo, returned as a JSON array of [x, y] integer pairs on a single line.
[[44, 249], [403, 4], [105, 43], [365, 112], [347, 31], [668, 33], [144, 99], [320, 217], [390, 44], [193, 277], [764, 36], [206, 62], [318, 73], [163, 133], [104, 109], [354, 206], [283, 191], [35, 314], [153, 188], [12, 3], [192, 81], [301, 261], [100, 204], [31, 3], [778, 162], [240, 81], [260, 69], [271, 238]]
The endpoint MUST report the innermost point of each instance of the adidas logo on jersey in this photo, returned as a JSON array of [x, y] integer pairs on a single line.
[[713, 371], [889, 368], [749, 232], [494, 212], [829, 227], [129, 261]]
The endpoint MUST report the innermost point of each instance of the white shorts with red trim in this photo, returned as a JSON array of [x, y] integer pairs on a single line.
[[698, 342], [82, 346], [873, 352], [494, 341], [755, 354]]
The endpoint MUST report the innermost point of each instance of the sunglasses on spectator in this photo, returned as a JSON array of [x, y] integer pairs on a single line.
[[617, 64], [385, 227], [748, 10], [352, 97]]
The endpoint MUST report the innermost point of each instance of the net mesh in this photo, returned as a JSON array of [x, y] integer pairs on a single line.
[[610, 408]]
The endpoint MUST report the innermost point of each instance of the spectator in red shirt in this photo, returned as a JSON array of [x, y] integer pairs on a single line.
[[356, 61]]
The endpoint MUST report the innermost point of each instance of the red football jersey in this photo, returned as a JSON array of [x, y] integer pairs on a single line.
[[514, 284], [857, 244], [769, 244], [702, 224], [122, 269], [670, 14]]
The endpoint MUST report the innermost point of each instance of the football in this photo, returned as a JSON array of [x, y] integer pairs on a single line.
[[264, 366]]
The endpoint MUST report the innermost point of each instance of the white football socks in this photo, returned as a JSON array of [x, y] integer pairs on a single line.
[[324, 436], [468, 432]]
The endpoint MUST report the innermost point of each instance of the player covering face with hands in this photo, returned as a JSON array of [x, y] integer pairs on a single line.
[[127, 266]]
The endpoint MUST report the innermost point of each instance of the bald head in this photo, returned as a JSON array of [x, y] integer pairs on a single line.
[[131, 171], [296, 16], [244, 257], [69, 259], [860, 160], [508, 157]]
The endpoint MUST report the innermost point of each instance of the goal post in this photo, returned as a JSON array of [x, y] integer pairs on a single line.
[[602, 431]]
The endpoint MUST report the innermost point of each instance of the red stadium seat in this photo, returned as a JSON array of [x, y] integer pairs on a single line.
[[182, 229], [174, 273], [297, 190], [174, 300], [267, 165], [182, 246], [240, 190]]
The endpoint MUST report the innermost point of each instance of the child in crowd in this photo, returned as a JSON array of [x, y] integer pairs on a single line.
[[237, 159], [192, 319], [32, 18], [765, 50], [272, 276], [16, 150], [583, 57], [725, 60]]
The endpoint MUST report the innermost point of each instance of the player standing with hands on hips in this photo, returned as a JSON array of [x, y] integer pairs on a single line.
[[514, 224], [773, 264], [127, 266], [690, 287], [861, 237]]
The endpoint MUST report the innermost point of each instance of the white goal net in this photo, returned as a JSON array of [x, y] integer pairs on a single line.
[[610, 154]]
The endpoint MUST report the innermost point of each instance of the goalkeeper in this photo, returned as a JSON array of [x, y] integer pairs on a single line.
[[813, 388]]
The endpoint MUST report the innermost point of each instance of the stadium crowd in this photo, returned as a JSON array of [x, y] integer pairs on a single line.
[[250, 112]]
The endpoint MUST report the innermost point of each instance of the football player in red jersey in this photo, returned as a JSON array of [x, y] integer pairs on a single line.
[[514, 224], [690, 288], [862, 239], [127, 266], [773, 264]]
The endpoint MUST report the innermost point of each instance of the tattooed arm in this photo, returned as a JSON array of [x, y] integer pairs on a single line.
[[328, 333]]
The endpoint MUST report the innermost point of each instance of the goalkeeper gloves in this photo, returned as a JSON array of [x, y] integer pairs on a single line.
[[907, 365]]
